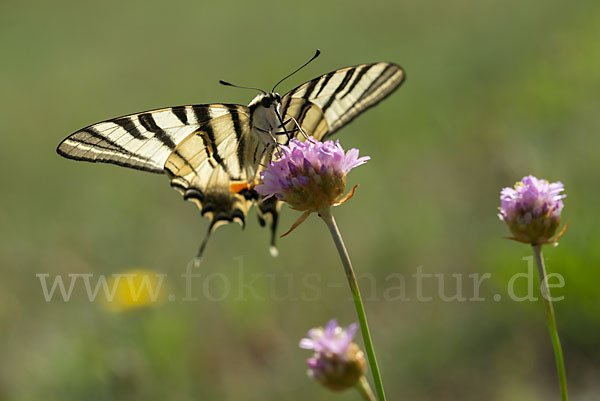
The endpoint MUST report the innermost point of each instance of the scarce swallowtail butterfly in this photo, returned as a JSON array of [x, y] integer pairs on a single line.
[[213, 153]]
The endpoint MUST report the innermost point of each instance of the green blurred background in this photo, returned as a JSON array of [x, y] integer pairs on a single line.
[[496, 90]]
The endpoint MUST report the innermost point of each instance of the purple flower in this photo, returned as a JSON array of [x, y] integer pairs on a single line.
[[338, 363], [309, 175], [532, 209], [333, 339]]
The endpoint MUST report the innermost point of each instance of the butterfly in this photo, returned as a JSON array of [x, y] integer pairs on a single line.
[[213, 153]]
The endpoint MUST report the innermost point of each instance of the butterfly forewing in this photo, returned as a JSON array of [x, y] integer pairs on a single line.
[[142, 141], [327, 103]]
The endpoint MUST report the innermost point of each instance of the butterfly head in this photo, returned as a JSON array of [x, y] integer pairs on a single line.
[[266, 114], [266, 100]]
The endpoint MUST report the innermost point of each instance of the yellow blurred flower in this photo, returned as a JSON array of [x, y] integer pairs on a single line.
[[134, 289]]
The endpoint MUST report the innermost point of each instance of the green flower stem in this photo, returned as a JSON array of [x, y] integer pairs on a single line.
[[560, 363], [365, 390], [326, 215]]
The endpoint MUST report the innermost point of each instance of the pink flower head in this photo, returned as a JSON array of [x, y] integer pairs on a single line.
[[309, 175], [532, 209], [338, 362], [333, 339]]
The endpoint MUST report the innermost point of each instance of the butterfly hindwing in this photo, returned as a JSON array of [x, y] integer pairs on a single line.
[[327, 103], [209, 166]]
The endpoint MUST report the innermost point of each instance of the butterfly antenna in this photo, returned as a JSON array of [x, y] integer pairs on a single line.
[[239, 86], [304, 65]]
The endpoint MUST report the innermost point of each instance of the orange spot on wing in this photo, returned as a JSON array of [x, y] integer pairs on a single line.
[[237, 187]]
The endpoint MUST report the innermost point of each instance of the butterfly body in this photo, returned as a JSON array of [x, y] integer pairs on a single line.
[[213, 153]]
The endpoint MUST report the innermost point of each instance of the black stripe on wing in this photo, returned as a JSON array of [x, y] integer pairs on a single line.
[[239, 135], [180, 113], [149, 124], [210, 142], [362, 71], [129, 126], [339, 89]]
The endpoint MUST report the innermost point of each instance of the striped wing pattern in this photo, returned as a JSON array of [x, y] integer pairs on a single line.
[[142, 141], [327, 103], [197, 146]]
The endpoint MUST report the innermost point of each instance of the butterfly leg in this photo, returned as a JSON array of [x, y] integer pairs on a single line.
[[279, 152], [272, 135], [264, 163], [289, 137], [299, 128], [295, 130], [285, 122]]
